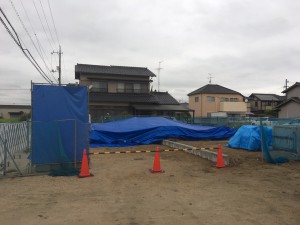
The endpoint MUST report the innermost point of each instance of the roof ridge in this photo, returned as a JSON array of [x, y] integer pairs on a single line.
[[135, 67], [83, 64], [265, 94], [116, 66], [218, 89]]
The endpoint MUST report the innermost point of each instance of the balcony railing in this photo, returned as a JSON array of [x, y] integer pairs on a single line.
[[123, 90], [103, 90]]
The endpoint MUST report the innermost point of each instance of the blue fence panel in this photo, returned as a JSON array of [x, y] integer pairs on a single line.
[[287, 139]]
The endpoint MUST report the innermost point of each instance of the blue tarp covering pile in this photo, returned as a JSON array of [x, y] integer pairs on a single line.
[[248, 137], [147, 130]]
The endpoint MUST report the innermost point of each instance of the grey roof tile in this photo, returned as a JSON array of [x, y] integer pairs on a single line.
[[213, 89], [122, 98], [293, 99], [116, 70], [267, 97], [164, 98], [158, 98]]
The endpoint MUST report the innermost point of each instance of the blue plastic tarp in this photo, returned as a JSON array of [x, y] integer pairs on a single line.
[[59, 123], [147, 130], [248, 137]]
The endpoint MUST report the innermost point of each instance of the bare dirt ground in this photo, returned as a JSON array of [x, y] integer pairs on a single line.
[[191, 191]]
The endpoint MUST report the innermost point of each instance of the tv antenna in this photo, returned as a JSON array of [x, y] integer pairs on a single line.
[[209, 78], [158, 72], [285, 85]]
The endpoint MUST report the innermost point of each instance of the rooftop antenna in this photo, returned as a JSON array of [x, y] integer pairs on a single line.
[[209, 78], [158, 72], [286, 85]]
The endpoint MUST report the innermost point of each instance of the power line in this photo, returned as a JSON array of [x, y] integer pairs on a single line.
[[53, 23], [40, 47], [47, 22], [42, 25], [23, 25], [26, 52], [37, 39]]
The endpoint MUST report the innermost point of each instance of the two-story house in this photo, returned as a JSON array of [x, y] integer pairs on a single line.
[[291, 107], [123, 90], [259, 103], [213, 98]]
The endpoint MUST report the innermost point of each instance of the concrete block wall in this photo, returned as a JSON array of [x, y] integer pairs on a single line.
[[203, 153]]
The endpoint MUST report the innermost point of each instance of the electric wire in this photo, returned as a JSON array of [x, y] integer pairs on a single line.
[[40, 47], [53, 22], [47, 23], [42, 25], [36, 36], [26, 52], [23, 25]]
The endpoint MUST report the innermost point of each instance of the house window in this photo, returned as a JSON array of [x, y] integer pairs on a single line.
[[99, 86], [137, 88], [14, 115], [120, 88], [256, 104], [131, 88], [210, 98], [223, 99], [234, 99], [196, 99], [128, 87]]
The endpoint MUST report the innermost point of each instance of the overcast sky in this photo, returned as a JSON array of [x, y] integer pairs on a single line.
[[250, 46]]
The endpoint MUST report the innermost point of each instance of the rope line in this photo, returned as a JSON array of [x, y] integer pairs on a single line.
[[148, 151]]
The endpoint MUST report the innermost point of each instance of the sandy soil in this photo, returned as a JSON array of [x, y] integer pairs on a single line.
[[191, 191]]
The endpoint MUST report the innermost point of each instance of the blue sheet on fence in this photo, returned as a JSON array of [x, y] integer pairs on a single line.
[[147, 130], [59, 123], [248, 137]]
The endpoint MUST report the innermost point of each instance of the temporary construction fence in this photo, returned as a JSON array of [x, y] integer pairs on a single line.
[[14, 147], [230, 121], [59, 126], [18, 158], [22, 152], [58, 144], [285, 144], [286, 141], [236, 122]]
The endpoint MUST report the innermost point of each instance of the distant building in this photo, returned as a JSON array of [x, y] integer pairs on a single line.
[[259, 103], [123, 90], [213, 98], [13, 111], [291, 107]]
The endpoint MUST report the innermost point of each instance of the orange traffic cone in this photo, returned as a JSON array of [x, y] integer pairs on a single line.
[[220, 160], [84, 171], [156, 164]]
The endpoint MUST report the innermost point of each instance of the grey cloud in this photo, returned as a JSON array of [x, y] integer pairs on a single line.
[[249, 46]]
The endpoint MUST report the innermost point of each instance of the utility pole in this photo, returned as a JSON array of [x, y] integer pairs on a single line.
[[158, 72], [59, 65]]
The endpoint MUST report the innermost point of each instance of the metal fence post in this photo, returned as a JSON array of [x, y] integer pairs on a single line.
[[5, 156], [27, 135], [75, 148]]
